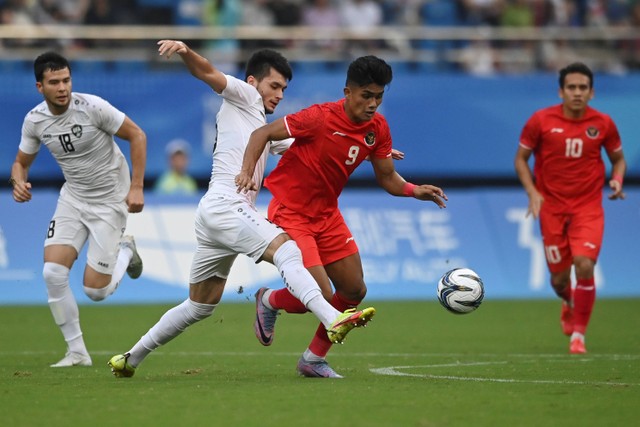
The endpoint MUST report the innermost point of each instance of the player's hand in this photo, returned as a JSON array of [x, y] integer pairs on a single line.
[[135, 200], [430, 193], [169, 47], [21, 191], [397, 154], [535, 203], [616, 187], [245, 183]]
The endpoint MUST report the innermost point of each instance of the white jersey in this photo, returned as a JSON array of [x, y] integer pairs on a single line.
[[241, 113], [81, 141]]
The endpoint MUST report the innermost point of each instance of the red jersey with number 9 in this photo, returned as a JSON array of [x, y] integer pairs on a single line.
[[328, 147], [568, 169]]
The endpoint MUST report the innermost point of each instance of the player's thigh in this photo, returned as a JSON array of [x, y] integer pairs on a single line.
[[334, 239], [555, 239], [106, 225], [585, 232], [300, 229], [65, 230]]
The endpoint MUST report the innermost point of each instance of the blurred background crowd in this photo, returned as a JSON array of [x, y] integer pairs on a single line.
[[474, 36]]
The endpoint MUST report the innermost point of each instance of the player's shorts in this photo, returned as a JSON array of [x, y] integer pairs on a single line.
[[321, 240], [225, 227], [75, 221], [566, 236]]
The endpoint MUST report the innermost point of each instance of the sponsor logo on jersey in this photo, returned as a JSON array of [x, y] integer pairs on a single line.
[[339, 133], [46, 136], [592, 132], [76, 130], [557, 130], [370, 139]]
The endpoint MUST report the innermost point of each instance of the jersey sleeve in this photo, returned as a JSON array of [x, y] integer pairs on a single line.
[[29, 142], [106, 116], [383, 149], [531, 133], [279, 147], [612, 141], [305, 123], [239, 92]]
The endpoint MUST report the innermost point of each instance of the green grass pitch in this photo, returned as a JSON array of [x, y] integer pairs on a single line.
[[505, 364]]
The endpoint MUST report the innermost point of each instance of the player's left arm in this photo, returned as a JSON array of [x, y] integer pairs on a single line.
[[618, 170], [394, 184], [131, 132]]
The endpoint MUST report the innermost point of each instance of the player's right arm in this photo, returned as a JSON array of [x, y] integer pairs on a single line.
[[19, 174], [198, 66], [525, 176], [274, 131]]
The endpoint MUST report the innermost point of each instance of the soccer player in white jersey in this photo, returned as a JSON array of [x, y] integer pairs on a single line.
[[227, 222], [95, 199]]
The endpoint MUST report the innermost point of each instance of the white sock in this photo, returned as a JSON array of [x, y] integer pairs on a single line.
[[577, 335], [288, 260], [170, 325], [265, 299], [63, 305], [122, 262], [310, 356]]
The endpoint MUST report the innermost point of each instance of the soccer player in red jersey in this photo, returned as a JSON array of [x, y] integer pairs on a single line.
[[566, 194], [331, 140]]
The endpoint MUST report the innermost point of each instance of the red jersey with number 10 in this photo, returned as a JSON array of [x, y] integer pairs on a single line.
[[328, 147], [568, 168]]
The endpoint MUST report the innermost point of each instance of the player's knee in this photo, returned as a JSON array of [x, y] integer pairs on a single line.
[[97, 294], [287, 252], [199, 311], [55, 274], [584, 267]]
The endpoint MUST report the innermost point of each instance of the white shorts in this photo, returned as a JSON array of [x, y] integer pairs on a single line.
[[225, 227], [74, 222]]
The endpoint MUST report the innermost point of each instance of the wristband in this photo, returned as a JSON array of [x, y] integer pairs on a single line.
[[617, 177], [407, 190]]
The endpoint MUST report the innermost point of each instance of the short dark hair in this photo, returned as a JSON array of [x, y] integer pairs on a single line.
[[576, 67], [261, 62], [49, 61], [369, 69]]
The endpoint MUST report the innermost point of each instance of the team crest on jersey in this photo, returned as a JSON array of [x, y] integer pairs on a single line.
[[76, 130], [592, 132], [370, 139]]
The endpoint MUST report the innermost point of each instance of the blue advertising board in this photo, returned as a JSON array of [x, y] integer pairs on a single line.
[[450, 126], [405, 245]]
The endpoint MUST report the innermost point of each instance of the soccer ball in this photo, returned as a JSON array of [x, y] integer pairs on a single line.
[[460, 290]]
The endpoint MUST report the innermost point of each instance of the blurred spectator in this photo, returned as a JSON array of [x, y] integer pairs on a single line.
[[479, 58], [360, 16], [482, 12], [323, 15], [285, 14], [176, 180], [255, 13]]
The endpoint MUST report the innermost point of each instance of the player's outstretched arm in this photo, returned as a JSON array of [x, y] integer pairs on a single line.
[[19, 174], [198, 65], [394, 184], [131, 132]]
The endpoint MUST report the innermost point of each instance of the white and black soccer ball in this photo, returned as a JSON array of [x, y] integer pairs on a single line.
[[460, 290]]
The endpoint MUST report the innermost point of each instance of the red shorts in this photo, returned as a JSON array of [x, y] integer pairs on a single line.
[[568, 235], [321, 240]]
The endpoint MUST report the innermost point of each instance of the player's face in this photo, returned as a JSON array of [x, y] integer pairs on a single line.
[[271, 88], [362, 102], [56, 89], [576, 93]]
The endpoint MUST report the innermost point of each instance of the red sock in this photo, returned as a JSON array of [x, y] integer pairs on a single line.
[[584, 297], [283, 299], [320, 344]]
